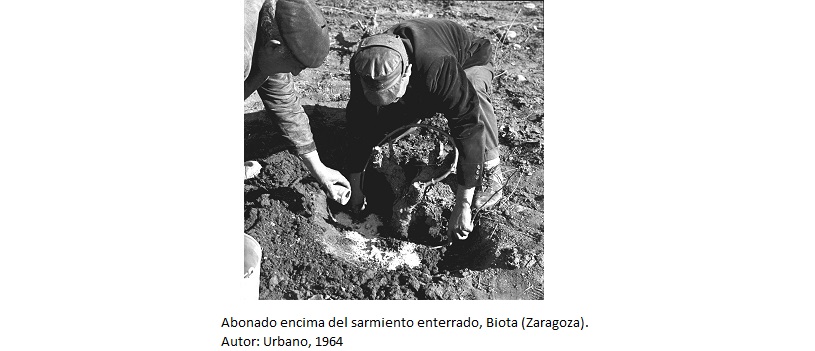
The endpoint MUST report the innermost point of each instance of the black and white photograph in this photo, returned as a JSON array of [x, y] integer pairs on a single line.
[[393, 150], [393, 181]]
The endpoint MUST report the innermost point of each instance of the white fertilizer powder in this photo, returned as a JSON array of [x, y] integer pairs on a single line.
[[362, 244]]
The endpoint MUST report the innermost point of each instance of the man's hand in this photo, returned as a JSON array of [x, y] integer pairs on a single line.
[[357, 197], [461, 222], [333, 182]]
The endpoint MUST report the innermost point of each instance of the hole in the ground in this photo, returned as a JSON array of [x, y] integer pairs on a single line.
[[412, 208]]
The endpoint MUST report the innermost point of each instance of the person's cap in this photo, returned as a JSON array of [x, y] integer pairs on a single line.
[[304, 31], [380, 62]]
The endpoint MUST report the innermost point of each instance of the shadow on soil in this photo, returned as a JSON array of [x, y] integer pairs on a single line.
[[263, 141]]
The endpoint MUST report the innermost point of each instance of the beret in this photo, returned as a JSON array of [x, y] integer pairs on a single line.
[[380, 62], [304, 30]]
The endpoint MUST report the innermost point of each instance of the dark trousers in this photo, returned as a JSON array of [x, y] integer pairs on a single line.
[[481, 79]]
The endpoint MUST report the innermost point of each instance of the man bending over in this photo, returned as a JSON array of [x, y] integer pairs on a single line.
[[413, 70]]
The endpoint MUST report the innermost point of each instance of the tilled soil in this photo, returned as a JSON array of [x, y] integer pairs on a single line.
[[315, 250]]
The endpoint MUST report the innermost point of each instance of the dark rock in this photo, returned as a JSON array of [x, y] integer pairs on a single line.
[[292, 295], [510, 258]]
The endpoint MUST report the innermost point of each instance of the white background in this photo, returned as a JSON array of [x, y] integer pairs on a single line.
[[679, 181]]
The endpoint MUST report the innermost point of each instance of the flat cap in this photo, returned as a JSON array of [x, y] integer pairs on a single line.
[[304, 30], [380, 62]]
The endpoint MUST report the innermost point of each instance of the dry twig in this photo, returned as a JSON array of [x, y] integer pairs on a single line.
[[510, 25], [495, 53], [516, 184]]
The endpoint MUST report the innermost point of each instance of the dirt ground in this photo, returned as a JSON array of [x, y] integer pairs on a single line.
[[315, 250]]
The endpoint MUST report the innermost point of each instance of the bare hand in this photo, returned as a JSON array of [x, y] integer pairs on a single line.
[[460, 223], [334, 184]]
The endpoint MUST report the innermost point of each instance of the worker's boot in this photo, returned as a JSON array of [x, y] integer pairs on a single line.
[[490, 191]]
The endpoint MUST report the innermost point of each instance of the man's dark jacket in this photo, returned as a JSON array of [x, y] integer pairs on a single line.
[[439, 51]]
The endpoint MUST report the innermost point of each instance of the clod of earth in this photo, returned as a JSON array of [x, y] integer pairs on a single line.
[[412, 166]]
